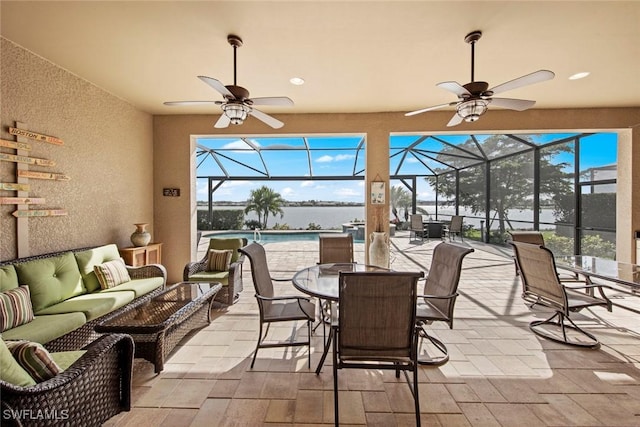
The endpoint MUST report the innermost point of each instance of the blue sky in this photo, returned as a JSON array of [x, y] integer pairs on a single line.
[[342, 155]]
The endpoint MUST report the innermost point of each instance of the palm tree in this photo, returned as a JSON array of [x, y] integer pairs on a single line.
[[400, 198], [264, 201]]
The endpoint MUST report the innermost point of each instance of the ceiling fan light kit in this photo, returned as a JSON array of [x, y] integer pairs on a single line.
[[237, 105], [474, 97]]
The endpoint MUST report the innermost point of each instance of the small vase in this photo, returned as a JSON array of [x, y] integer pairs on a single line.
[[140, 237], [379, 249]]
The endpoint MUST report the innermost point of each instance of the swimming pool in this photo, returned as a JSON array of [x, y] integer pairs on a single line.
[[269, 236]]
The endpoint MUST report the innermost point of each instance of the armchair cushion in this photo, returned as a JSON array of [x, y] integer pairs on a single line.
[[211, 276], [34, 359], [43, 329], [111, 273], [219, 260], [10, 369], [229, 243], [15, 308]]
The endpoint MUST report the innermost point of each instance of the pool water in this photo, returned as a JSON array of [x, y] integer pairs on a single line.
[[269, 236]]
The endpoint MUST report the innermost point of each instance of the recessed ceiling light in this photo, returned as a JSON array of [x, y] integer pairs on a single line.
[[296, 81], [578, 76]]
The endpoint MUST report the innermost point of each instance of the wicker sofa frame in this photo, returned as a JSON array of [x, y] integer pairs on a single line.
[[85, 334], [92, 390], [228, 294]]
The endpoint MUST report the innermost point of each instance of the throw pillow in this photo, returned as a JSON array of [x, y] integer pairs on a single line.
[[35, 359], [10, 369], [111, 273], [219, 260], [15, 308]]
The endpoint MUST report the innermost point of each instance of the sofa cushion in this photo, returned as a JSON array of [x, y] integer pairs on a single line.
[[35, 359], [65, 359], [139, 286], [219, 260], [92, 257], [8, 278], [10, 369], [51, 280], [43, 329], [93, 305], [228, 243], [211, 276], [111, 273], [15, 308]]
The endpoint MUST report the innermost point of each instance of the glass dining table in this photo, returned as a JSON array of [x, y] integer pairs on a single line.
[[624, 278], [321, 281]]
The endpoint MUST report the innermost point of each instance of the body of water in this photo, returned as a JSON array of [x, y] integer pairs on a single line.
[[268, 236], [332, 217]]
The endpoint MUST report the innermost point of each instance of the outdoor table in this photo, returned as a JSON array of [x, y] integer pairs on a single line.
[[626, 276], [321, 281]]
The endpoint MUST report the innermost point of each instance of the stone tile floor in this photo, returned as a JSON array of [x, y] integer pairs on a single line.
[[500, 373]]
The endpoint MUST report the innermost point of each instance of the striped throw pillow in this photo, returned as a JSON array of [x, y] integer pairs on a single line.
[[219, 260], [35, 359], [111, 273], [15, 308]]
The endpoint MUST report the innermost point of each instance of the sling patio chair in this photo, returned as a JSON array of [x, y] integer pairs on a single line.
[[540, 281], [376, 326], [440, 294], [416, 228], [334, 248], [454, 227], [276, 308], [535, 238]]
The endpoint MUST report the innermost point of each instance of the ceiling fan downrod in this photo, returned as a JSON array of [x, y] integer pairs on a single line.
[[472, 38], [235, 42]]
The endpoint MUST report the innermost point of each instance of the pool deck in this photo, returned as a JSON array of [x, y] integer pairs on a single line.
[[500, 373]]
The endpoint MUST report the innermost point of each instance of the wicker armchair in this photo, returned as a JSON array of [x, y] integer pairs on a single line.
[[92, 390], [232, 283]]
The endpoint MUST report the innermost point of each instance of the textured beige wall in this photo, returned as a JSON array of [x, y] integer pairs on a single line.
[[174, 150], [108, 154]]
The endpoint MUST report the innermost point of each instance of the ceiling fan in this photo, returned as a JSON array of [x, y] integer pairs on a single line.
[[237, 104], [474, 98]]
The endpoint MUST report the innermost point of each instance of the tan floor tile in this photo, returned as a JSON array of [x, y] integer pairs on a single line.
[[211, 410], [436, 398], [514, 415], [159, 393], [179, 418], [375, 401], [224, 388], [478, 415], [280, 411], [309, 407]]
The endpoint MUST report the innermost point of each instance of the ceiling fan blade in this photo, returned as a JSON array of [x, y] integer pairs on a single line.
[[455, 120], [189, 102], [454, 87], [512, 104], [222, 122], [272, 100], [529, 79], [271, 121], [217, 86], [435, 107]]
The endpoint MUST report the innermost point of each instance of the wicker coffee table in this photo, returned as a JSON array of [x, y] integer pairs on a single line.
[[158, 323]]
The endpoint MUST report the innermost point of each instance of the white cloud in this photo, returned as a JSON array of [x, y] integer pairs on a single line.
[[340, 157], [324, 159], [347, 192], [287, 192], [241, 146], [306, 184], [411, 160]]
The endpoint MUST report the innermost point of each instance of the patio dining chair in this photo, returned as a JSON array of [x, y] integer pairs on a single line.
[[540, 281], [535, 238], [439, 297], [334, 248], [276, 308], [454, 227], [376, 327], [417, 228]]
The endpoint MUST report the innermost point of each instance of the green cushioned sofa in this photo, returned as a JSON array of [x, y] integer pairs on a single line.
[[230, 279], [66, 296]]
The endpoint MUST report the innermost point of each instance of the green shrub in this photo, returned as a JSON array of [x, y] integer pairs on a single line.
[[230, 219], [314, 226], [252, 224]]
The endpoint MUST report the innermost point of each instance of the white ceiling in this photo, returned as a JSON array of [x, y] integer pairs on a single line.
[[355, 56]]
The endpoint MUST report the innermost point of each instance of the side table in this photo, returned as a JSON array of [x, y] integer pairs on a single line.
[[143, 255]]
